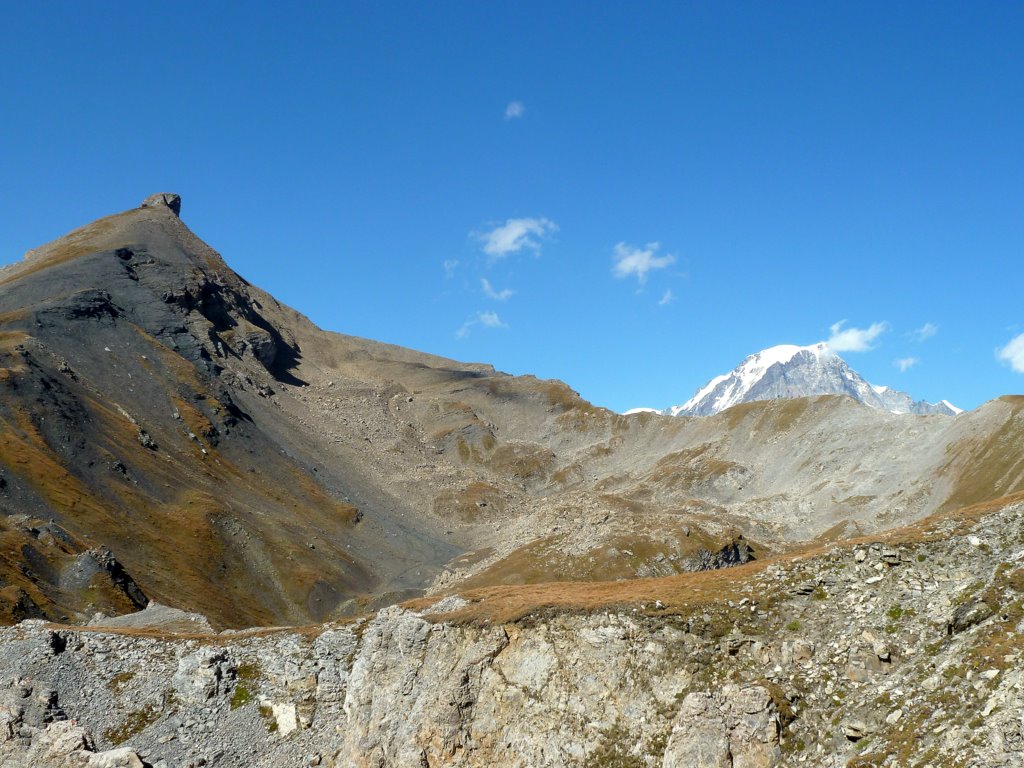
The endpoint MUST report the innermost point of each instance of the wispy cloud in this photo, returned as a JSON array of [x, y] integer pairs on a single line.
[[515, 110], [489, 292], [515, 235], [666, 298], [1013, 353], [854, 339], [449, 267], [491, 320], [639, 261], [484, 319], [905, 363], [925, 332]]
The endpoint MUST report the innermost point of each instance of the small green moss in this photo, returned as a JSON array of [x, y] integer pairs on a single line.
[[268, 717], [613, 751], [135, 723], [793, 626], [247, 683], [117, 683]]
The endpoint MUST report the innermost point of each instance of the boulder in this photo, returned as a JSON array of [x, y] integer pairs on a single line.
[[736, 726], [968, 615], [203, 675]]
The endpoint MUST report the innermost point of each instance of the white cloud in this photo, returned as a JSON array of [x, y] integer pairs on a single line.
[[449, 267], [639, 261], [491, 320], [666, 298], [486, 319], [1013, 353], [925, 332], [905, 363], [489, 292], [515, 110], [515, 235], [854, 339]]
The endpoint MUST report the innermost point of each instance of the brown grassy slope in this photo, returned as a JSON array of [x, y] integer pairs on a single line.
[[180, 539], [683, 593], [216, 517], [988, 465]]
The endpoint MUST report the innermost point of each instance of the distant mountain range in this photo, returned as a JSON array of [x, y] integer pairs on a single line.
[[789, 371]]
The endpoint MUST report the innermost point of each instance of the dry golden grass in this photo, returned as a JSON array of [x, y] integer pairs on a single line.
[[690, 466], [776, 415], [522, 461], [173, 533], [88, 239], [504, 604], [685, 592], [478, 500], [991, 466]]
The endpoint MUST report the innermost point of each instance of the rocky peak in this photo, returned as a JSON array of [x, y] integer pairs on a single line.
[[169, 199], [789, 371]]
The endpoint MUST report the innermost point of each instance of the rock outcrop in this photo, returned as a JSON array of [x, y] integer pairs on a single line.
[[835, 659], [170, 199], [732, 727]]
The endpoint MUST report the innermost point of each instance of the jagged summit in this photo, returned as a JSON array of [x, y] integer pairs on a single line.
[[788, 371], [171, 199]]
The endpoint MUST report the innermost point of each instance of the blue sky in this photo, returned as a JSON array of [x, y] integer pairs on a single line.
[[628, 197]]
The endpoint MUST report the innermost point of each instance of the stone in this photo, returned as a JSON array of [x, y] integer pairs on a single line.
[[797, 651], [855, 730], [881, 649], [168, 199], [146, 440], [201, 675], [733, 727], [116, 758], [285, 717], [968, 615]]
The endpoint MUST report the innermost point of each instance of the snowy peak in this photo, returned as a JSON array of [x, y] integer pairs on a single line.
[[732, 388], [788, 371]]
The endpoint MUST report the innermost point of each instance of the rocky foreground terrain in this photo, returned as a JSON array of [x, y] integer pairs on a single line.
[[228, 537], [901, 650]]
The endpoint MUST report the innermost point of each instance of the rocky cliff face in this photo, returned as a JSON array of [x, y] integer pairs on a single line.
[[904, 650]]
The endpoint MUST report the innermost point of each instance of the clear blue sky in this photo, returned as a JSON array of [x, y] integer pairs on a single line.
[[371, 164]]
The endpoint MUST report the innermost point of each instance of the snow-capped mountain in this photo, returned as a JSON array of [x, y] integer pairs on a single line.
[[788, 371]]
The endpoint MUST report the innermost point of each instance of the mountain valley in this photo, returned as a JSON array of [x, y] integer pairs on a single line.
[[413, 531]]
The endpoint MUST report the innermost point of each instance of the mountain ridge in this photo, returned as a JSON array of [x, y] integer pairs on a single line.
[[787, 371], [170, 431]]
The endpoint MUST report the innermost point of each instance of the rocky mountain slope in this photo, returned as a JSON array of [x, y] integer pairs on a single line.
[[899, 650], [170, 432], [788, 371]]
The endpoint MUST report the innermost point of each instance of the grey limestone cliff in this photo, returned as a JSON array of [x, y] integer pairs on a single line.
[[869, 654]]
